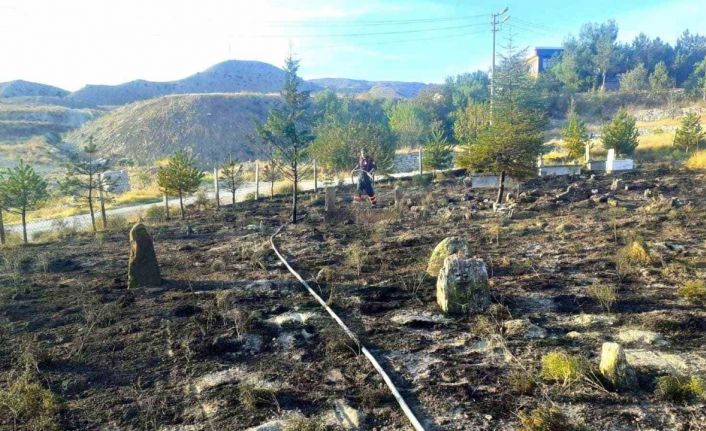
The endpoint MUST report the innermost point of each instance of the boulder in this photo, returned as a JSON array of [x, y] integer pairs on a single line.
[[116, 182], [462, 285], [447, 247], [143, 269], [615, 367]]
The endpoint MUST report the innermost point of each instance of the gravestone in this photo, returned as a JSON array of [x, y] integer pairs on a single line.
[[330, 200], [143, 269], [462, 286], [615, 367], [398, 198], [447, 247]]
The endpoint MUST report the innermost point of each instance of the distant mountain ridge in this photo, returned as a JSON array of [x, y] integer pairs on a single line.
[[232, 76], [382, 89]]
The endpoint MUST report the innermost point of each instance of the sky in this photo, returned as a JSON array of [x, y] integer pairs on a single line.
[[71, 43]]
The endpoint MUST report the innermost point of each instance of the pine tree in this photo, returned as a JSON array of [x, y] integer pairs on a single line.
[[232, 176], [23, 190], [438, 154], [621, 133], [270, 173], [180, 176], [287, 129], [2, 208], [575, 134], [690, 136], [660, 79], [82, 178]]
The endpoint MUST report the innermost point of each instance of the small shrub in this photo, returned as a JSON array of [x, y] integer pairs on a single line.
[[201, 200], [494, 231], [681, 389], [546, 419], [301, 423], [374, 396], [28, 404], [252, 398], [563, 368], [631, 256], [604, 294], [694, 291], [218, 265], [697, 161], [156, 212], [357, 256], [521, 382]]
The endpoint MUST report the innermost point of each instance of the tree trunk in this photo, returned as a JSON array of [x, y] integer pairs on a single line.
[[272, 189], [294, 195], [166, 206], [24, 225], [102, 202], [501, 188], [90, 208], [2, 229], [181, 204], [603, 83], [232, 191]]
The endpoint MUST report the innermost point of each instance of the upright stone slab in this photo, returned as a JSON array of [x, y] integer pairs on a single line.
[[462, 286], [143, 269], [398, 198], [330, 200], [615, 367], [447, 247]]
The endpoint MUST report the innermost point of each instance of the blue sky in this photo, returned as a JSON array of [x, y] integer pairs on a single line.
[[71, 43]]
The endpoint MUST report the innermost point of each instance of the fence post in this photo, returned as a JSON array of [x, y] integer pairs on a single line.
[[217, 188], [316, 179], [257, 180], [419, 160]]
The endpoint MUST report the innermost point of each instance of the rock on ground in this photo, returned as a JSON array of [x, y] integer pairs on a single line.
[[615, 367], [143, 269], [462, 286], [447, 247]]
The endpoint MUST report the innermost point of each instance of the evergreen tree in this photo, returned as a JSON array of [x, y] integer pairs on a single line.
[[82, 179], [575, 135], [232, 176], [287, 129], [690, 136], [634, 80], [438, 154], [696, 84], [470, 121], [660, 79], [621, 133], [410, 122], [270, 173], [23, 190], [180, 176]]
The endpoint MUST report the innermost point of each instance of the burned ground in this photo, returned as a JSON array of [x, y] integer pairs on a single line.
[[232, 341]]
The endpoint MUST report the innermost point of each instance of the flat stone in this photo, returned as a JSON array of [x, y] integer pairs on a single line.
[[412, 318], [218, 378], [275, 425], [523, 328], [292, 318], [640, 336], [589, 320]]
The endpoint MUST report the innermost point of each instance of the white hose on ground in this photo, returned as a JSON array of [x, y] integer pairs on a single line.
[[403, 404]]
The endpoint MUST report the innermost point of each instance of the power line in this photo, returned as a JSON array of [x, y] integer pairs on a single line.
[[397, 41], [381, 33], [358, 23]]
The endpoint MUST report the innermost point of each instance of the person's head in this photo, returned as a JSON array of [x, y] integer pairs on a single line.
[[364, 153]]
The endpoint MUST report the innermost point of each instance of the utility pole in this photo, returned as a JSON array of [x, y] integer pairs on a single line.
[[496, 22]]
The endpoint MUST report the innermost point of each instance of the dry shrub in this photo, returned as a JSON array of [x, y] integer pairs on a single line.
[[27, 404], [301, 423], [218, 265], [604, 294], [521, 382], [357, 256], [694, 291], [547, 418], [252, 398], [633, 255], [563, 368], [681, 389], [697, 161]]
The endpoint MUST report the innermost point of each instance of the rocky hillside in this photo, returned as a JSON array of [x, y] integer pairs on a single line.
[[377, 89], [21, 88], [228, 77], [213, 126], [19, 121]]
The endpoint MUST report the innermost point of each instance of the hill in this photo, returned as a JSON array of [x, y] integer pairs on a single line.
[[374, 89], [232, 76], [213, 126], [20, 88]]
